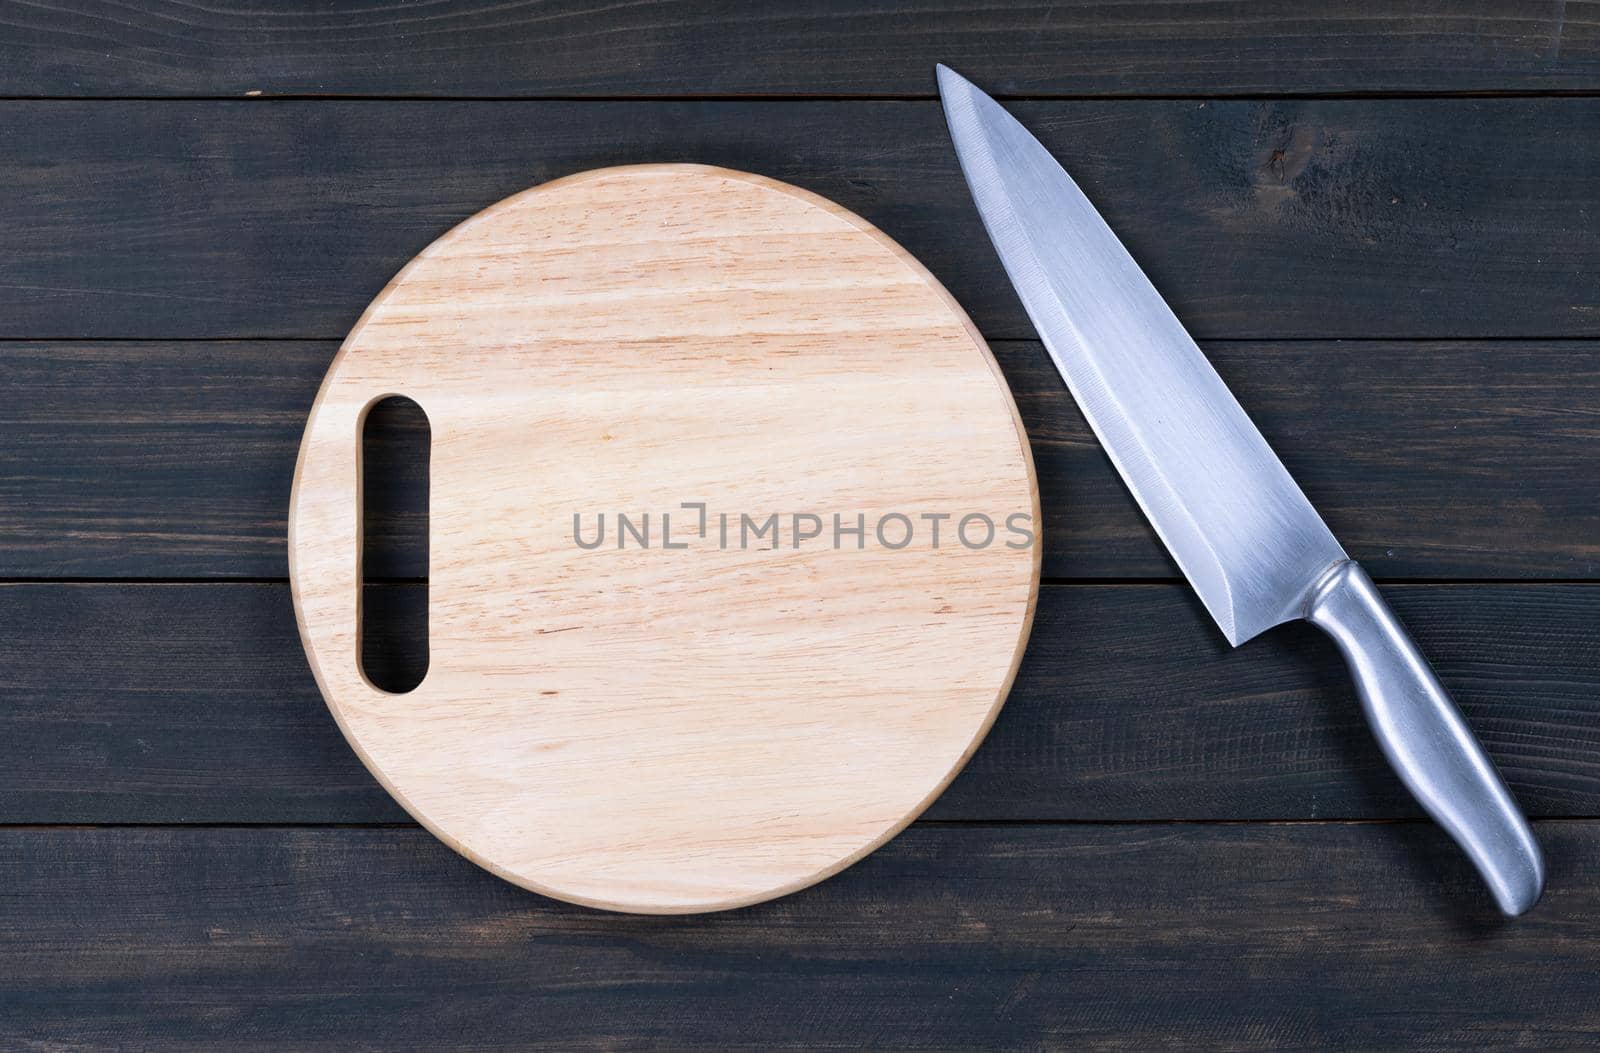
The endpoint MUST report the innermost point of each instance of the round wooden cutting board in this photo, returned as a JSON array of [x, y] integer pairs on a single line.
[[771, 666]]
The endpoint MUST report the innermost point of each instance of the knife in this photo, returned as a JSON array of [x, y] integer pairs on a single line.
[[1240, 528]]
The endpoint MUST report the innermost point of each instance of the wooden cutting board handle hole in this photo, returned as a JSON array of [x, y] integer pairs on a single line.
[[396, 446]]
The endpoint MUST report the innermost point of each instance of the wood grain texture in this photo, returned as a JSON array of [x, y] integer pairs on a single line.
[[1278, 219], [841, 47], [190, 478], [1124, 938], [1282, 219], [630, 726], [129, 703]]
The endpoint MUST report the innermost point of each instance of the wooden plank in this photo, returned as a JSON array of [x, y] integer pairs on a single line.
[[190, 703], [173, 460], [1275, 219], [164, 460], [844, 47], [1427, 460], [194, 703], [1122, 937]]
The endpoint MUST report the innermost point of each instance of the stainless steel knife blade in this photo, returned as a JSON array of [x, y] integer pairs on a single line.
[[1231, 515], [1242, 531]]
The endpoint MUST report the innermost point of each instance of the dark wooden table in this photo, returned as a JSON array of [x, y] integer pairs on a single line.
[[1384, 225]]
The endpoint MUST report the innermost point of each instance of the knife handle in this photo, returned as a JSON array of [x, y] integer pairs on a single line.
[[1425, 739]]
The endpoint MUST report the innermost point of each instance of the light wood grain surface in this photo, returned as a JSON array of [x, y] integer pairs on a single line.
[[694, 728]]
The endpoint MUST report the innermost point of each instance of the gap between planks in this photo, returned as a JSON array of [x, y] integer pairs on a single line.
[[917, 97], [970, 824]]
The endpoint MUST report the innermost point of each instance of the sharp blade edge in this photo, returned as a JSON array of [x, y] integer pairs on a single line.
[[1240, 528]]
